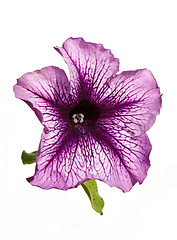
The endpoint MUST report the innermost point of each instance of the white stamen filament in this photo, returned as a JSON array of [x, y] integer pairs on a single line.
[[81, 120], [75, 120]]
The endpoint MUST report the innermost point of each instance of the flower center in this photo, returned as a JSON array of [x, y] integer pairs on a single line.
[[83, 112], [78, 118]]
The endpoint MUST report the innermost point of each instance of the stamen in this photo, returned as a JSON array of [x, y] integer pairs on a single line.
[[78, 118]]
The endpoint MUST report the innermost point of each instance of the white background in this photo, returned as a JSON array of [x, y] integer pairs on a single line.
[[141, 34]]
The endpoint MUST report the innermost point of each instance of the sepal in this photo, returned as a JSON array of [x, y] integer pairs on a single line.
[[96, 200], [28, 158]]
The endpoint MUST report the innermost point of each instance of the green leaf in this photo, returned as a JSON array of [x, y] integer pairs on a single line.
[[28, 158], [96, 200]]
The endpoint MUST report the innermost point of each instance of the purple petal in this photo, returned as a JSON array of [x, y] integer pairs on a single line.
[[90, 64], [129, 156], [67, 160], [46, 91], [132, 100], [60, 162]]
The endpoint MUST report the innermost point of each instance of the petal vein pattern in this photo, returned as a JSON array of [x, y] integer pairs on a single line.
[[46, 91], [131, 100], [72, 158], [60, 163], [90, 65]]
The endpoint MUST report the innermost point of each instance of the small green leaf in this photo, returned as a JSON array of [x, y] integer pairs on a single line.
[[28, 158], [96, 200]]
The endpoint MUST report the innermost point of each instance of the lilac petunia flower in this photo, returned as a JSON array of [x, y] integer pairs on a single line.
[[95, 124]]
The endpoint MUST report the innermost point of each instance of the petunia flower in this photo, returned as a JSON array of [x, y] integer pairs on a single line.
[[95, 123]]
